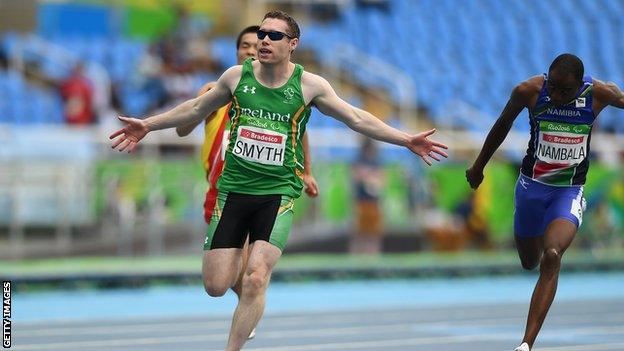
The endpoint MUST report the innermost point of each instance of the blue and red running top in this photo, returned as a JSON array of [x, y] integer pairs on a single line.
[[560, 136]]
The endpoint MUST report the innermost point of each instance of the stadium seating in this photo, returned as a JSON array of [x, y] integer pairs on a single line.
[[476, 51], [468, 52]]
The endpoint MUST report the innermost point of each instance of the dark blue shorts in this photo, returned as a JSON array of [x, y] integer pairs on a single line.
[[537, 204]]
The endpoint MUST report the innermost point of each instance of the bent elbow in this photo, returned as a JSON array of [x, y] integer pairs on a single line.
[[195, 107], [181, 132]]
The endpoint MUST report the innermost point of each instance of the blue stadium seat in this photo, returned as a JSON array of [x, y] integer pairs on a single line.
[[453, 50], [464, 51], [222, 49], [54, 108]]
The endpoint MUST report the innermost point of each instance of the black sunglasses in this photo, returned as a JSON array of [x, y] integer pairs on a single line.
[[274, 36]]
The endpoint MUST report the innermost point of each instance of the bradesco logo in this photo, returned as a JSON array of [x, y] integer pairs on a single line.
[[562, 140], [276, 139], [260, 145]]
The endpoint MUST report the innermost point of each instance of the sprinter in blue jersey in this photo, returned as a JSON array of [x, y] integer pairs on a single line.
[[549, 200]]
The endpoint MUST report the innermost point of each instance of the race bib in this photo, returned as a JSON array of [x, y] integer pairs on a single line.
[[260, 145], [562, 143]]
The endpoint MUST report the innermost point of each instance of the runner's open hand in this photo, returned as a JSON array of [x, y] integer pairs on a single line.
[[129, 136], [425, 148]]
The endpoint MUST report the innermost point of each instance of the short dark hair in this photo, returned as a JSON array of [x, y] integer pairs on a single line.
[[570, 64], [250, 29], [293, 27]]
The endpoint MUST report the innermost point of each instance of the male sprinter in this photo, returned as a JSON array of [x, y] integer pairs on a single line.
[[216, 137], [271, 101], [549, 200]]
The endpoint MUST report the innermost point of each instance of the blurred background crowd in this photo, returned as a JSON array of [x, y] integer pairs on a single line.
[[68, 68]]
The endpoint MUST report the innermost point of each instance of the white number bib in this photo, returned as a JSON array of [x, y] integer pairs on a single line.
[[260, 145], [562, 143]]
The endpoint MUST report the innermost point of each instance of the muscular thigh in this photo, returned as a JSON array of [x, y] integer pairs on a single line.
[[568, 204], [228, 223], [263, 256], [546, 217], [559, 235], [530, 205], [222, 265], [265, 217], [271, 222]]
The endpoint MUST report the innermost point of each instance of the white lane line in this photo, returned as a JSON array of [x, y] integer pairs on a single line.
[[136, 329], [290, 334], [295, 317], [619, 329], [204, 338], [385, 344], [316, 333], [224, 325], [455, 311], [565, 332], [588, 347]]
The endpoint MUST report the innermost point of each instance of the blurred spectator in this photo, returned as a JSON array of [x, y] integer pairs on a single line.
[[382, 5], [167, 70], [466, 226], [150, 69], [101, 87], [369, 180], [185, 48], [4, 59], [77, 94], [444, 231], [324, 12], [472, 213], [173, 55], [425, 122]]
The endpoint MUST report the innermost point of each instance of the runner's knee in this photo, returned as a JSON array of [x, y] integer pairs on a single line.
[[254, 282], [529, 259], [215, 289], [551, 260], [529, 263]]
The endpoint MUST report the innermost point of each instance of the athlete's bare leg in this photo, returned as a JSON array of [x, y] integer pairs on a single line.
[[220, 270], [255, 281], [238, 286], [557, 239], [530, 249]]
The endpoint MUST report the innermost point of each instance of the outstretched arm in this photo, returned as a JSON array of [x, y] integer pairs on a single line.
[[191, 111], [607, 94], [520, 98], [323, 96], [187, 129], [618, 95]]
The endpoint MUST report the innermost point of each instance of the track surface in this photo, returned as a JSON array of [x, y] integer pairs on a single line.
[[436, 314]]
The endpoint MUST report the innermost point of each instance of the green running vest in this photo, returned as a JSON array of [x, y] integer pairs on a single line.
[[265, 152]]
